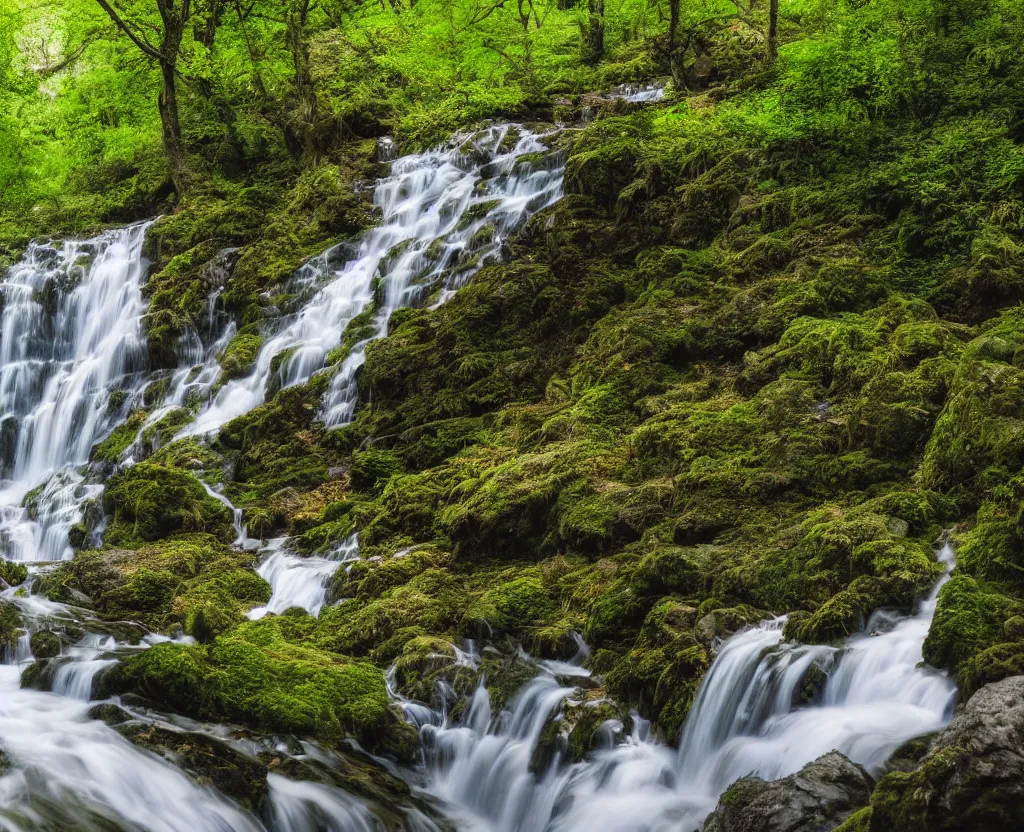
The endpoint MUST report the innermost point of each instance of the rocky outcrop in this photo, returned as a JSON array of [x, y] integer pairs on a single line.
[[972, 779], [818, 798]]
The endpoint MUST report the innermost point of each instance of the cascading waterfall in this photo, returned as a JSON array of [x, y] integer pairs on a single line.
[[445, 213], [300, 582], [71, 333], [73, 363], [747, 719]]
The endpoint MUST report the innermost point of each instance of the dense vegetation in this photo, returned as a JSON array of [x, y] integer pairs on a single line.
[[763, 353]]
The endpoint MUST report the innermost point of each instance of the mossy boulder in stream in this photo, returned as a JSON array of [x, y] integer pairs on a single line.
[[193, 581], [970, 780], [818, 798], [261, 674]]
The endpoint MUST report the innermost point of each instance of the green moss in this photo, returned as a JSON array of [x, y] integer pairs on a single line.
[[240, 354], [156, 435], [967, 621], [256, 675], [121, 438], [859, 821], [147, 502], [45, 644], [193, 581], [12, 574], [10, 623], [511, 607]]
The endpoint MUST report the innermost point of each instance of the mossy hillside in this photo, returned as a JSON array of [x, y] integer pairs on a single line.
[[261, 674], [738, 370], [662, 422], [191, 581]]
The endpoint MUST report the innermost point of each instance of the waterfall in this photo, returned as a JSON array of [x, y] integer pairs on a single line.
[[747, 719], [445, 214], [300, 582], [70, 334], [73, 363]]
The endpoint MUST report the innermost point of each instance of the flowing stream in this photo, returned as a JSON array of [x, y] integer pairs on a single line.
[[747, 719], [73, 363]]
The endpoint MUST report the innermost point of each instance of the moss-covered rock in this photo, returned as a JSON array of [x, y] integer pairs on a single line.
[[192, 581], [45, 644], [240, 354], [12, 574], [258, 675], [970, 779], [148, 502]]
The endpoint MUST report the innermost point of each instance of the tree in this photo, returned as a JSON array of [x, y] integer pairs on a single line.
[[773, 26], [135, 23], [298, 44], [592, 32]]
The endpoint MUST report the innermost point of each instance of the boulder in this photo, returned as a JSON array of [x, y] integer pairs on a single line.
[[972, 779], [818, 798]]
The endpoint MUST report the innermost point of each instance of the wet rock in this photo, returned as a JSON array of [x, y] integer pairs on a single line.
[[110, 713], [972, 779], [721, 623], [586, 721], [204, 758], [818, 798], [45, 644], [811, 685], [909, 755]]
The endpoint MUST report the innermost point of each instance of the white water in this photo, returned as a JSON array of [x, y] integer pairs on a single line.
[[436, 207], [58, 366], [298, 581], [745, 721]]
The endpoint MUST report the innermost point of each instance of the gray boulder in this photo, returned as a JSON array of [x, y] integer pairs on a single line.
[[972, 779], [818, 798]]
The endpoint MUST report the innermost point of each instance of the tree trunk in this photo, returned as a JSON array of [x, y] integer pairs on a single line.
[[174, 146], [675, 55], [593, 32], [773, 26], [306, 113], [174, 20]]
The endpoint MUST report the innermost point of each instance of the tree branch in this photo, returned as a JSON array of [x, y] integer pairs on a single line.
[[155, 54]]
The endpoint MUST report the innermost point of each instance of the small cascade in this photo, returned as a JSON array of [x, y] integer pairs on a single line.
[[445, 214], [748, 718], [297, 581], [71, 334], [310, 807], [242, 539]]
